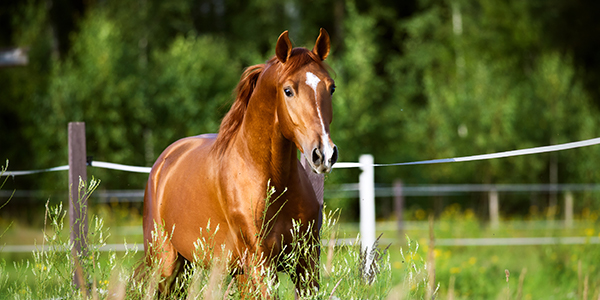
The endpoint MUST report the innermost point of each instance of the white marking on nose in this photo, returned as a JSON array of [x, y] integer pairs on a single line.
[[313, 81]]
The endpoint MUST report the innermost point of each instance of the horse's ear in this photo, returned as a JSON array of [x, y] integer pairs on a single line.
[[283, 50], [321, 48]]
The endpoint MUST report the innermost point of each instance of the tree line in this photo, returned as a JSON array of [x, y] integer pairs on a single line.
[[416, 80]]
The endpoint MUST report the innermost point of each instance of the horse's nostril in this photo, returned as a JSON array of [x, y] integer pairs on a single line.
[[334, 156], [316, 156]]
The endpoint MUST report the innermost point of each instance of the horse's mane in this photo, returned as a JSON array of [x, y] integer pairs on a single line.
[[233, 119]]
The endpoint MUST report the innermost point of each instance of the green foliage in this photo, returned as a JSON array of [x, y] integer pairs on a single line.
[[194, 75], [361, 88], [416, 80]]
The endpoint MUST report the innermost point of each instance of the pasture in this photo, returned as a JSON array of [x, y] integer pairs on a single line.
[[552, 271], [418, 83]]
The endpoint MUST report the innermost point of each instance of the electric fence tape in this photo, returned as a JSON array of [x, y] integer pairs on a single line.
[[343, 165], [527, 151]]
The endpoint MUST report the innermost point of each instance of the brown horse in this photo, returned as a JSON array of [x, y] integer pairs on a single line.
[[281, 107]]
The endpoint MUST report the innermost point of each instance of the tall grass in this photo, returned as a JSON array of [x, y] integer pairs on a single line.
[[535, 272], [50, 273]]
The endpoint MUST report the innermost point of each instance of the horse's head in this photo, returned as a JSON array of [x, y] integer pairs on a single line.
[[304, 95]]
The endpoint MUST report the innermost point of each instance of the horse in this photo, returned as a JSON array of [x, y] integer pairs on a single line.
[[281, 106]]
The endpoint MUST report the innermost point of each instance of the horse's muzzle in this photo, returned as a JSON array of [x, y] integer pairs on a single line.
[[322, 160]]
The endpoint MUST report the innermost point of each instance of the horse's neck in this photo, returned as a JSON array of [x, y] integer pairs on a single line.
[[262, 142]]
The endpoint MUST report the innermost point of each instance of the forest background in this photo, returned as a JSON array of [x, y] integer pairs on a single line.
[[415, 80]]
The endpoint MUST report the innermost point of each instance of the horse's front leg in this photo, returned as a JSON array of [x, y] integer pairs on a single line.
[[257, 279], [251, 286]]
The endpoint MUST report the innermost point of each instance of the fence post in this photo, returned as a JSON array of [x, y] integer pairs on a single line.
[[317, 181], [366, 183], [77, 207], [494, 209], [399, 206], [569, 209]]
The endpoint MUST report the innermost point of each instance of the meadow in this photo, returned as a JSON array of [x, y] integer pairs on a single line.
[[405, 265]]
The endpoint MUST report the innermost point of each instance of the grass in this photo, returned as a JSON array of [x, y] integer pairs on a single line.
[[406, 272], [550, 271], [49, 274], [535, 271]]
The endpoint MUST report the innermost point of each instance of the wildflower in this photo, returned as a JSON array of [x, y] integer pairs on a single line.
[[589, 231], [454, 270], [574, 257], [397, 265], [472, 260], [41, 267], [469, 214]]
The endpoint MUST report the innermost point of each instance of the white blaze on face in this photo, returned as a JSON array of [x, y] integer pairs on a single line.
[[313, 81]]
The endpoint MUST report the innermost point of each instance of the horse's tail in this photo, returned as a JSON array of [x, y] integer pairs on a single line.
[[148, 218]]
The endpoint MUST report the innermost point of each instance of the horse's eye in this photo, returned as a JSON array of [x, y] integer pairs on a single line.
[[332, 90], [288, 92]]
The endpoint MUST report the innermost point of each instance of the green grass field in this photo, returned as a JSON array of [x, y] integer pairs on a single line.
[[461, 272]]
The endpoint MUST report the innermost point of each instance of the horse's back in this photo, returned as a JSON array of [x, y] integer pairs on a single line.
[[175, 169], [181, 153]]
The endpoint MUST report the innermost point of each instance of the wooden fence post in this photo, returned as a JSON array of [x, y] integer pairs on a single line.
[[494, 209], [77, 206], [399, 206]]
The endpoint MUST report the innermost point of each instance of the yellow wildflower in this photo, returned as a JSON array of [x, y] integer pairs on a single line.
[[472, 260]]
